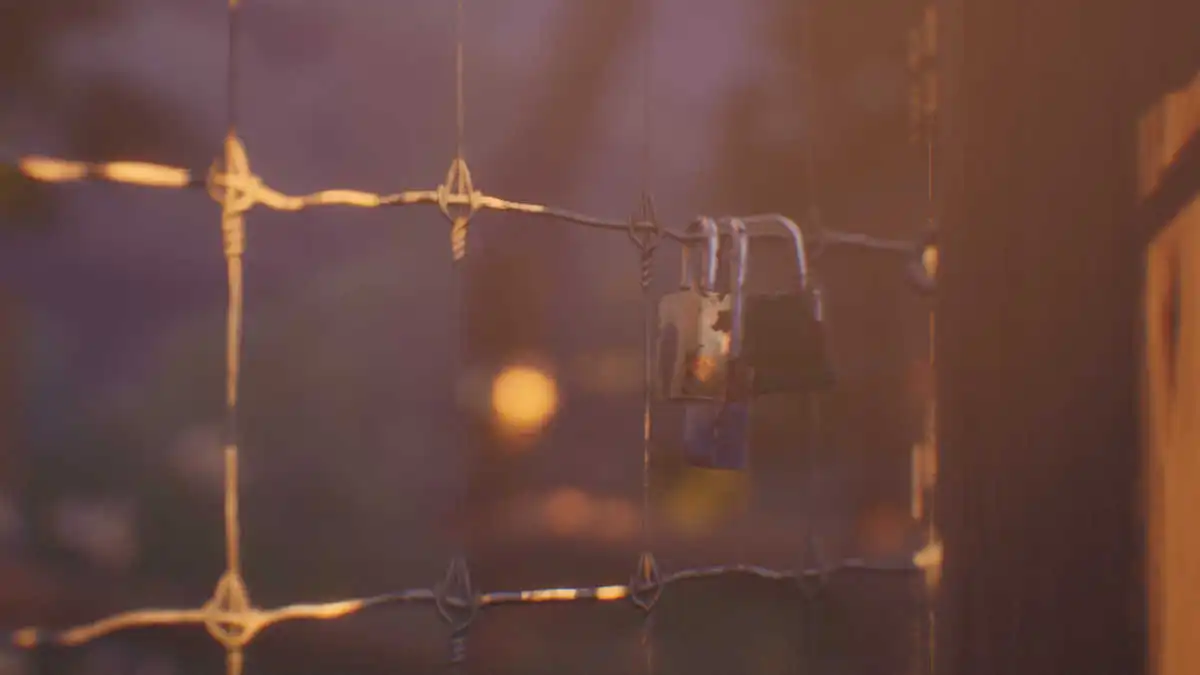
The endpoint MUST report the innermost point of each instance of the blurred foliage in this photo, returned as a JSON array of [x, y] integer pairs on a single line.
[[98, 116]]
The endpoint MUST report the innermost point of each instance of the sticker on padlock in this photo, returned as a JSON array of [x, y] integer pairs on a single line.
[[696, 326], [785, 345]]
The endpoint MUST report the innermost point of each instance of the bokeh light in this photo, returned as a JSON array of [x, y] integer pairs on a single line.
[[704, 498], [524, 399], [567, 512], [616, 519], [929, 260]]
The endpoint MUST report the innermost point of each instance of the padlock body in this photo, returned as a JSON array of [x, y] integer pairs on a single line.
[[717, 435], [693, 349], [785, 345]]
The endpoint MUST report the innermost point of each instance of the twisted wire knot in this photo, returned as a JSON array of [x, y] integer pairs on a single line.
[[458, 647], [237, 190], [230, 611], [233, 236], [645, 232], [646, 587], [233, 185], [457, 603], [455, 597], [458, 200]]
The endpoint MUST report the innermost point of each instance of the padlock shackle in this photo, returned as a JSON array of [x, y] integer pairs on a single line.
[[737, 281], [709, 265], [779, 221]]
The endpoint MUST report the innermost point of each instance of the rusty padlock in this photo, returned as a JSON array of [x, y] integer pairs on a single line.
[[716, 430], [785, 347], [694, 327]]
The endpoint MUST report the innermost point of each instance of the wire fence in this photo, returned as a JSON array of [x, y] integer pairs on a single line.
[[229, 615]]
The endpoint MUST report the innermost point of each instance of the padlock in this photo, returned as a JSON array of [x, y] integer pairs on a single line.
[[716, 432], [785, 347], [694, 328]]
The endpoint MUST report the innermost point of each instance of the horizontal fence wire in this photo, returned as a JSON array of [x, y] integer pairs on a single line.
[[252, 191], [256, 620]]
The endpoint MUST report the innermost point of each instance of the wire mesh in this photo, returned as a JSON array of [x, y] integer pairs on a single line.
[[230, 616]]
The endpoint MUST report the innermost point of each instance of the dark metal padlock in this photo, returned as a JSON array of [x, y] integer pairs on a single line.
[[694, 329], [785, 344], [716, 432]]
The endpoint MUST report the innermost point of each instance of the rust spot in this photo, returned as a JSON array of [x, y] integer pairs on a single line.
[[704, 367]]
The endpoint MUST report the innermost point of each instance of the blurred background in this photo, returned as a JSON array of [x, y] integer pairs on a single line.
[[371, 450]]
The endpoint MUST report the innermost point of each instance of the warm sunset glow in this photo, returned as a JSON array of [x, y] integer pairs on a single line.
[[567, 512], [524, 399], [616, 519], [883, 529]]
